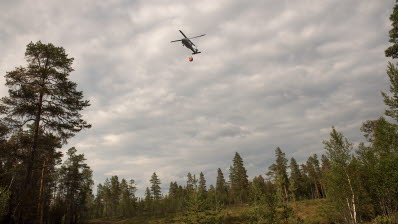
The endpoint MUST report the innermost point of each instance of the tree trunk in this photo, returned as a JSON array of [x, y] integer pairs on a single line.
[[286, 194], [26, 194], [353, 210], [40, 206]]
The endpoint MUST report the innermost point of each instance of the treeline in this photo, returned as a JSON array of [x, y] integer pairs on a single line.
[[360, 185], [277, 188], [39, 115]]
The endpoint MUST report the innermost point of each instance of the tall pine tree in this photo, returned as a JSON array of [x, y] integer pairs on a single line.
[[238, 180], [42, 96], [155, 187]]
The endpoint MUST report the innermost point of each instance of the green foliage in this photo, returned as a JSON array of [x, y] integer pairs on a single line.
[[392, 51], [393, 219], [265, 206], [343, 183], [155, 187], [42, 93], [41, 111], [4, 197], [74, 188], [378, 165], [278, 172], [238, 180], [221, 189], [392, 101]]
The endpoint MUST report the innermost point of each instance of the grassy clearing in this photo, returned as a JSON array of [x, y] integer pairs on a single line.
[[311, 211]]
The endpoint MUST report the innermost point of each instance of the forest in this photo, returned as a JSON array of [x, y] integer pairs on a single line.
[[349, 183]]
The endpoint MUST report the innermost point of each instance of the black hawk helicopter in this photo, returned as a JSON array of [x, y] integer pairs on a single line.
[[188, 43]]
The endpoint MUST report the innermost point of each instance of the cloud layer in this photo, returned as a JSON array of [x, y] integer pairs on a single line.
[[272, 73]]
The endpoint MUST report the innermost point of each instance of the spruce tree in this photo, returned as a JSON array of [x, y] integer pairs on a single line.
[[325, 168], [202, 184], [76, 185], [392, 51], [279, 172], [148, 201], [221, 189], [238, 180], [314, 173], [295, 180], [190, 181], [115, 192], [155, 187], [392, 70]]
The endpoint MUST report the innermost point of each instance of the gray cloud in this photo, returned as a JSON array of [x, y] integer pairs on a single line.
[[272, 73]]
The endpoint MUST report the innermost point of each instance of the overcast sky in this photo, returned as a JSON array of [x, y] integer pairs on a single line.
[[271, 73]]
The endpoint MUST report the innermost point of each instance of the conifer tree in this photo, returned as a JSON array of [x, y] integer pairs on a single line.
[[202, 185], [238, 180], [173, 189], [115, 192], [325, 168], [127, 198], [190, 182], [392, 70], [148, 201], [155, 187], [295, 180], [221, 189], [279, 172], [75, 184], [42, 96], [314, 172], [392, 51], [257, 188]]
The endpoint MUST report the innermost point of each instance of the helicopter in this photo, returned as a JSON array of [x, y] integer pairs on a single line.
[[188, 43]]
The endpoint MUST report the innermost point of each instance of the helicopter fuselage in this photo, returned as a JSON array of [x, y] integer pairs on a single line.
[[187, 43]]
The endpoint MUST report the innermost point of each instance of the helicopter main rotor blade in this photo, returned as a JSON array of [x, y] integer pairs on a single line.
[[197, 36], [183, 34], [175, 41]]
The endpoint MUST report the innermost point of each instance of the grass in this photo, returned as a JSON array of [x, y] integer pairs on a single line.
[[311, 211]]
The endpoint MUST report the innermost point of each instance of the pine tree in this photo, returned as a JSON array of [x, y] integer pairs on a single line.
[[127, 198], [279, 172], [257, 188], [392, 70], [238, 180], [190, 182], [75, 184], [173, 189], [148, 201], [221, 189], [325, 168], [314, 173], [295, 180], [202, 186], [392, 51], [40, 95], [155, 187], [115, 192]]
